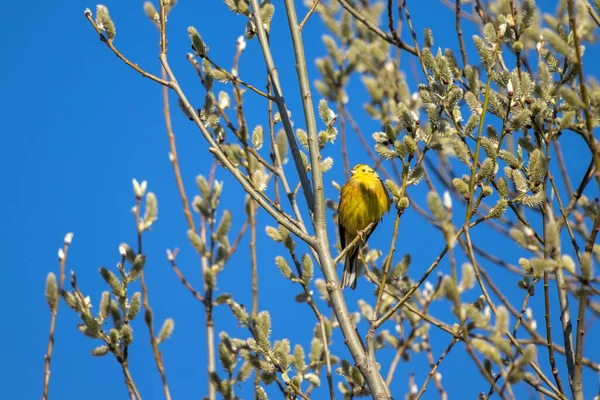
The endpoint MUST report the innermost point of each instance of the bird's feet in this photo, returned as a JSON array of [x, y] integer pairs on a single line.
[[361, 235]]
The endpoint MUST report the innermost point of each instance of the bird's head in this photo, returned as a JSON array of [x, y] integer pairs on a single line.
[[363, 170]]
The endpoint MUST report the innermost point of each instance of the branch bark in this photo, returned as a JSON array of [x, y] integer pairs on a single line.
[[373, 377]]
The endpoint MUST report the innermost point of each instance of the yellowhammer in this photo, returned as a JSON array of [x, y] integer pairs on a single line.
[[363, 201]]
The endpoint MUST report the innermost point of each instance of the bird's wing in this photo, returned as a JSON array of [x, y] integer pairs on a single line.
[[387, 195], [389, 199], [342, 232], [341, 229], [371, 231]]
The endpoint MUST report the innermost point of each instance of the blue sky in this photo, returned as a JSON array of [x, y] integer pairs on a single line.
[[79, 125]]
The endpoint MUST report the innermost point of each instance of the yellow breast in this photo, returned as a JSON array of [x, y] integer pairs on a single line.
[[363, 200]]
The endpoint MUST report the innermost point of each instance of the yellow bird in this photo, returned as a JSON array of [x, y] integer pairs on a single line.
[[363, 201]]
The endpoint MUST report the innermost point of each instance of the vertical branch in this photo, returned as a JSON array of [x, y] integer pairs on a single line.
[[461, 42], [565, 319], [575, 370], [311, 302], [549, 341], [370, 372], [208, 315], [121, 357], [62, 259], [583, 297], [386, 268], [563, 169], [479, 137], [274, 75], [341, 118], [148, 315], [174, 159], [547, 209], [253, 210], [591, 141]]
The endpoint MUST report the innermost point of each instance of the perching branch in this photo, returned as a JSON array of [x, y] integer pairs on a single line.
[[372, 376]]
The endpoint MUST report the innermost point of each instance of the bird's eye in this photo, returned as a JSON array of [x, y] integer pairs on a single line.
[[363, 170]]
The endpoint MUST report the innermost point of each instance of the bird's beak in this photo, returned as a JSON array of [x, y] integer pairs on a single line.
[[352, 172]]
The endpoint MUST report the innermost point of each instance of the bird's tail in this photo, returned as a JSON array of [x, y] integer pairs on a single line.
[[350, 274]]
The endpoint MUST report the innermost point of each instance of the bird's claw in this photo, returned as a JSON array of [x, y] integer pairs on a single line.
[[361, 234]]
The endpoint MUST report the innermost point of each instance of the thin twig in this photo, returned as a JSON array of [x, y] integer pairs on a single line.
[[356, 14], [415, 286], [171, 257], [320, 318], [386, 267], [62, 259], [583, 297], [343, 143], [391, 27], [108, 43], [274, 76], [413, 334], [461, 42], [308, 14], [236, 79], [253, 263], [435, 367], [591, 141], [551, 358], [477, 270], [121, 359], [563, 167], [567, 327], [146, 305], [353, 243], [593, 14]]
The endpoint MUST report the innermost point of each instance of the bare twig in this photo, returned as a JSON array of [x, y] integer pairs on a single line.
[[477, 270], [549, 335], [309, 13], [461, 42], [353, 243], [583, 297], [415, 286], [593, 14], [253, 262], [343, 143], [567, 327], [171, 257], [356, 14], [386, 268], [435, 367], [274, 76]]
